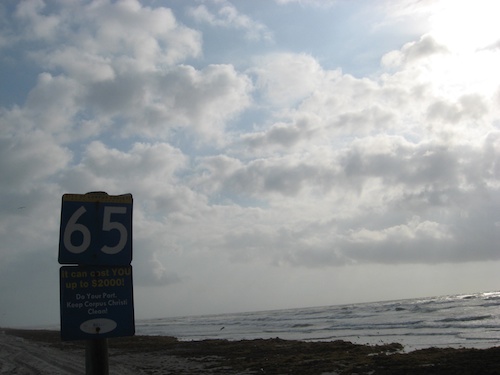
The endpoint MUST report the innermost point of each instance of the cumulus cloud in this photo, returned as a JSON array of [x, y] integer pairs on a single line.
[[109, 36], [152, 105], [280, 135], [227, 16], [414, 51], [286, 78], [27, 160], [153, 272], [316, 3], [366, 172], [471, 107], [37, 25], [141, 168], [117, 68]]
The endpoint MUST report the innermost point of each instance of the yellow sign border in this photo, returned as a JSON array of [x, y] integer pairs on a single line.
[[98, 197]]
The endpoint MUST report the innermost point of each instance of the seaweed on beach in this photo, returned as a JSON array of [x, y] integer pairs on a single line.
[[277, 356]]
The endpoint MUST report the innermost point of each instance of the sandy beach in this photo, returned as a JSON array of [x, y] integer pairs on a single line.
[[42, 352]]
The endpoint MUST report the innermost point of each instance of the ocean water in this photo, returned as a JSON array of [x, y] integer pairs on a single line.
[[471, 321]]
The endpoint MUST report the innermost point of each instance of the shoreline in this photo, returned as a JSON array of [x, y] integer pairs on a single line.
[[167, 355]]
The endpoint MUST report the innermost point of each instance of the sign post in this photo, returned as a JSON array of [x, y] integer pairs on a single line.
[[96, 290]]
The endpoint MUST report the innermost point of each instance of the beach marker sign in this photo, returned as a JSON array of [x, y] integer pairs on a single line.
[[96, 302], [96, 228], [96, 293]]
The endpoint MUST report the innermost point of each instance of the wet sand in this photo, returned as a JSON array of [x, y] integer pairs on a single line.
[[42, 352]]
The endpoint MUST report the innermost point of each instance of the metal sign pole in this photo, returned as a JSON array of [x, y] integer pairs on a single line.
[[96, 357]]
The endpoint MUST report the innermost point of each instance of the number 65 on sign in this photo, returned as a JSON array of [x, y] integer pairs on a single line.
[[96, 229]]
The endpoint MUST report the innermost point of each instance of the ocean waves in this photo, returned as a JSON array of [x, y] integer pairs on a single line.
[[447, 321]]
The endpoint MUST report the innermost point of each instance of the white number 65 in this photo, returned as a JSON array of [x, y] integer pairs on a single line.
[[107, 225]]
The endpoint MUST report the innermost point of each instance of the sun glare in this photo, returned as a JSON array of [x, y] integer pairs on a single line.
[[466, 25], [471, 33]]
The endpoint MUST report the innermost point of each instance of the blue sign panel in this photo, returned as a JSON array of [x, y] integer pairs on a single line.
[[96, 229], [96, 302]]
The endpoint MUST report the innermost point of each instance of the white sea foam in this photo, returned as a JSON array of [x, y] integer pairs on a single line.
[[471, 320]]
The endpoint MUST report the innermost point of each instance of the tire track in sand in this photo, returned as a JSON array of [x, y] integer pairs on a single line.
[[23, 357]]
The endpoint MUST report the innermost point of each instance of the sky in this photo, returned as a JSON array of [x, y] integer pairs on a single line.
[[281, 153]]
